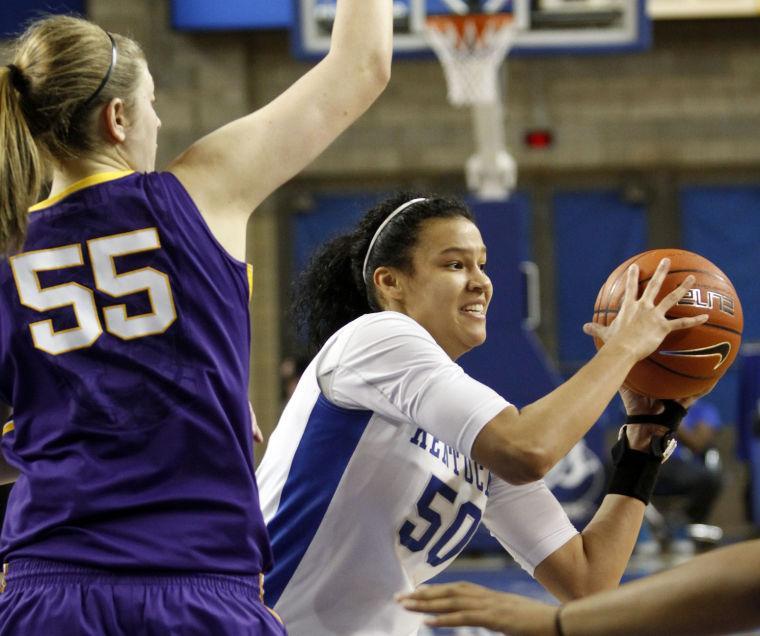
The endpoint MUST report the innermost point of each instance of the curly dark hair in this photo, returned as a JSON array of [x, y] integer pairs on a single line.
[[331, 291]]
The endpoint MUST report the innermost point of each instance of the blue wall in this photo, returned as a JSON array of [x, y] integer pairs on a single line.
[[723, 224], [14, 14], [232, 14], [594, 231]]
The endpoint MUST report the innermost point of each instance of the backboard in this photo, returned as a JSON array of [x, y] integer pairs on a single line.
[[315, 17], [544, 26]]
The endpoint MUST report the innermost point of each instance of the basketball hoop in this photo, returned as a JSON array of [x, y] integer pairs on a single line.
[[471, 48]]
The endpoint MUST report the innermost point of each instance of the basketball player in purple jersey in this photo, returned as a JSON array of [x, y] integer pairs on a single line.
[[124, 337]]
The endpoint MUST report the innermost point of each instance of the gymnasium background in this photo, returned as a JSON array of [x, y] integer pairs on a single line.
[[652, 149]]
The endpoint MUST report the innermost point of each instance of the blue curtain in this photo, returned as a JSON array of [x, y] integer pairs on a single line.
[[594, 231], [722, 223]]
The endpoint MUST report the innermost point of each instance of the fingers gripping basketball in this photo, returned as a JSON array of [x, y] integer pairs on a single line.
[[688, 361]]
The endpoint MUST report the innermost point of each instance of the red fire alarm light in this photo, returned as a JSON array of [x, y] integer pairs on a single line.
[[539, 139]]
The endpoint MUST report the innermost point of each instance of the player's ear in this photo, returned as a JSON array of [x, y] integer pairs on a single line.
[[115, 120], [389, 285]]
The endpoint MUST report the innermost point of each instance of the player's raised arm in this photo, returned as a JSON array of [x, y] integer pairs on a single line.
[[230, 171]]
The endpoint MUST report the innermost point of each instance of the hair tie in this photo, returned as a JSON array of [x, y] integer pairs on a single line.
[[388, 219], [19, 81]]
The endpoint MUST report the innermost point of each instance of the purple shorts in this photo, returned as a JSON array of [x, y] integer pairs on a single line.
[[47, 597]]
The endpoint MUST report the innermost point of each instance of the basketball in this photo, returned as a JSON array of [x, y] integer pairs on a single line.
[[690, 360]]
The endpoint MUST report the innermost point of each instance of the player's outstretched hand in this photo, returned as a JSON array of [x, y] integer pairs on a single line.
[[641, 325], [460, 604], [258, 436]]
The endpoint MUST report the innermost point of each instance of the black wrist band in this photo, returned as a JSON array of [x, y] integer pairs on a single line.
[[558, 621], [635, 472], [670, 417]]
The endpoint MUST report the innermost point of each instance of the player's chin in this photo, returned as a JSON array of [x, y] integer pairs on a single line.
[[475, 336]]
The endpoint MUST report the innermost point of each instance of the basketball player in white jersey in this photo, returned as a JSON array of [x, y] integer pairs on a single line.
[[388, 455]]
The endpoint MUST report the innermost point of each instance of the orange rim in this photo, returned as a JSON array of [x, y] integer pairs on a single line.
[[482, 21]]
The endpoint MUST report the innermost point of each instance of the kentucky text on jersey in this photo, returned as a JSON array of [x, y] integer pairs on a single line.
[[452, 458]]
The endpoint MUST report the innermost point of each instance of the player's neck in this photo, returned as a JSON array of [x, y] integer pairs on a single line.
[[67, 173]]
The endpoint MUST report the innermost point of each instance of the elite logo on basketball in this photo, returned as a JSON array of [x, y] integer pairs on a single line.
[[714, 300]]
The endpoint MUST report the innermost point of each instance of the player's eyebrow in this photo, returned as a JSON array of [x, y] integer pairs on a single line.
[[461, 250]]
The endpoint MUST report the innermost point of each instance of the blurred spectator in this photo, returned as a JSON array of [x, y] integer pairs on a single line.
[[694, 471], [5, 490], [291, 369]]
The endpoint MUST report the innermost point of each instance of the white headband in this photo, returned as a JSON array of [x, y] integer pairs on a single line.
[[388, 219]]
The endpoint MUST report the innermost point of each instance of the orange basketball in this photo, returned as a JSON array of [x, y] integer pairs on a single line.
[[690, 360]]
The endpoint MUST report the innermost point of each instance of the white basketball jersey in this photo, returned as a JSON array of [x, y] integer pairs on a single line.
[[367, 487]]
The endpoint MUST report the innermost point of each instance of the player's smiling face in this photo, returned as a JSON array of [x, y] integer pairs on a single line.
[[448, 291]]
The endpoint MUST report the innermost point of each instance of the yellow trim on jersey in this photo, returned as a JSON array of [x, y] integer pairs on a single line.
[[92, 180], [261, 595], [8, 427], [249, 269], [275, 614]]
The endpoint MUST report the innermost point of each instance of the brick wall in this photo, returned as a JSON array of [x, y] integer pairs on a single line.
[[691, 101]]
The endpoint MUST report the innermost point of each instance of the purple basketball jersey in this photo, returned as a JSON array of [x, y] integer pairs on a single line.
[[124, 352]]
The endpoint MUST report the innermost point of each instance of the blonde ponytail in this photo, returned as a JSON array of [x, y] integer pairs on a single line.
[[21, 165], [64, 70]]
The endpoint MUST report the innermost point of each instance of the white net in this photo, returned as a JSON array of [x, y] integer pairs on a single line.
[[471, 51]]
